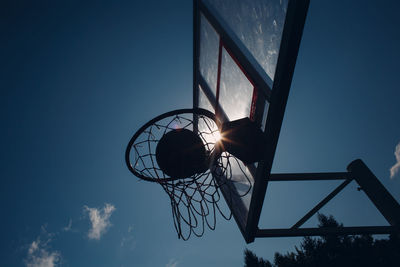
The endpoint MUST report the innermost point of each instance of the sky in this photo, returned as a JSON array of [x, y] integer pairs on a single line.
[[78, 79]]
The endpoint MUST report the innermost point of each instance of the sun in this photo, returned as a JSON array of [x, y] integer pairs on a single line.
[[217, 136]]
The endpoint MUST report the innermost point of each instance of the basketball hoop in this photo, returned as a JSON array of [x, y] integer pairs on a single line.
[[181, 151]]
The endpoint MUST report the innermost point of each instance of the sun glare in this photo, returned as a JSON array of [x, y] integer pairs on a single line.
[[217, 136]]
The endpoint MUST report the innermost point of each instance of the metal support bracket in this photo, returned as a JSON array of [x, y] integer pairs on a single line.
[[368, 182]]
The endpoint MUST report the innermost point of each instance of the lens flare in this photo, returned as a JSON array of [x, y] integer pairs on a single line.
[[217, 136]]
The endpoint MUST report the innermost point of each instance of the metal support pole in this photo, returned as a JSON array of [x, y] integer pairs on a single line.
[[368, 182], [376, 192]]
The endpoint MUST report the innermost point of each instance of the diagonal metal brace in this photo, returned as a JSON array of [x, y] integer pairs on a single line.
[[321, 204]]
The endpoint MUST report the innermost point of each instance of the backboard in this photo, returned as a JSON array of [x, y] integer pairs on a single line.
[[244, 58]]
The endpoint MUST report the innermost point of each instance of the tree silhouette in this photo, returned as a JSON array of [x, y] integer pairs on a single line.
[[334, 250], [251, 260]]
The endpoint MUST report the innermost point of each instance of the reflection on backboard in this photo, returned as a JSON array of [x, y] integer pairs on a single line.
[[244, 57]]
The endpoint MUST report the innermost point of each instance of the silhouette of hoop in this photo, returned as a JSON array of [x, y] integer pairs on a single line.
[[194, 199]]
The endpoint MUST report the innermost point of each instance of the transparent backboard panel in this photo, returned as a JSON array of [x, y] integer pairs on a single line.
[[209, 45], [202, 125], [236, 92], [265, 115], [203, 101], [237, 46], [243, 183], [258, 24], [235, 95], [239, 189], [255, 27]]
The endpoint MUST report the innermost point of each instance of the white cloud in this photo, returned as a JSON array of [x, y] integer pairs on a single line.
[[172, 263], [396, 167], [68, 227], [100, 220], [39, 255]]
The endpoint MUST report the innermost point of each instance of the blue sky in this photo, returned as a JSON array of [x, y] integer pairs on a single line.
[[77, 80]]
